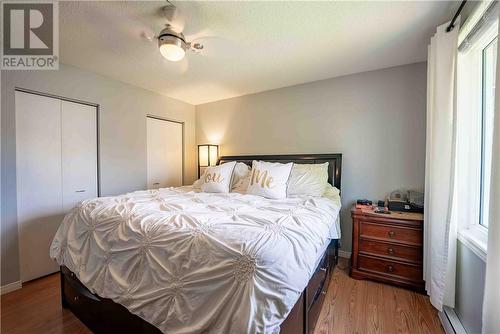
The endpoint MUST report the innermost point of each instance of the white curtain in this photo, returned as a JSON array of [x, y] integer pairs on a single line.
[[491, 303], [440, 227]]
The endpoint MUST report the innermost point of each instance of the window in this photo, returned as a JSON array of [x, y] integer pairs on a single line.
[[476, 76], [488, 108]]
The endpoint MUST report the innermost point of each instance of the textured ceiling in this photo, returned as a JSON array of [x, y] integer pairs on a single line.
[[249, 46]]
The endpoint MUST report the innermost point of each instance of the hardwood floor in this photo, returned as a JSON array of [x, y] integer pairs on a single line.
[[36, 308], [350, 307], [359, 306]]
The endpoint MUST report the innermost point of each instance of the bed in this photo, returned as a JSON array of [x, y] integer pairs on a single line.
[[179, 261]]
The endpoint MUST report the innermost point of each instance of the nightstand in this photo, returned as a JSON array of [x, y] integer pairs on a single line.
[[388, 247]]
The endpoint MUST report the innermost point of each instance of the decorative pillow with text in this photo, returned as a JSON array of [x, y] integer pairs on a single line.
[[217, 179], [269, 179]]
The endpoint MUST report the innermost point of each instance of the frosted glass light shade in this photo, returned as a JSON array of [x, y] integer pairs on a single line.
[[213, 154], [203, 155], [172, 52], [208, 155]]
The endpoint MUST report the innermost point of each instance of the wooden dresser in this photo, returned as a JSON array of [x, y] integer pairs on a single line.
[[388, 247]]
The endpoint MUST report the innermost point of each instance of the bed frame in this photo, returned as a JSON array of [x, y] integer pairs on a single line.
[[103, 315]]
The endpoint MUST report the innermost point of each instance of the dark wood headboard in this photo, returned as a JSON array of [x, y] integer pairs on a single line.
[[334, 162]]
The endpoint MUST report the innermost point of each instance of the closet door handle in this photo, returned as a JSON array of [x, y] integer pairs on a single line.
[[80, 191]]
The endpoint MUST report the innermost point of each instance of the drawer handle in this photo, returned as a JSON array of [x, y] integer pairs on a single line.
[[75, 299], [72, 275], [390, 269], [390, 250], [80, 191], [392, 234], [322, 269]]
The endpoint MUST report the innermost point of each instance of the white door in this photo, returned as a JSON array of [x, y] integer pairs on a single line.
[[79, 153], [56, 146], [164, 153], [39, 184]]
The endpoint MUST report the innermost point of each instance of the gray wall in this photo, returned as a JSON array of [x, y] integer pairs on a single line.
[[122, 132], [469, 289], [375, 119]]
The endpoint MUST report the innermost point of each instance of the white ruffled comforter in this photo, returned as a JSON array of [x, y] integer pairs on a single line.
[[191, 262]]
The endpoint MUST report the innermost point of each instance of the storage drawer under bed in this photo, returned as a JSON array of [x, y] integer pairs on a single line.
[[317, 281], [103, 315], [99, 314]]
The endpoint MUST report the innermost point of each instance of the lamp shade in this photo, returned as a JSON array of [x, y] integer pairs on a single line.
[[213, 155], [208, 155], [203, 155]]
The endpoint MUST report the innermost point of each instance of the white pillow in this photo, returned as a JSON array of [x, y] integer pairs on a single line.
[[269, 179], [240, 172], [217, 179], [197, 184], [308, 179], [242, 185]]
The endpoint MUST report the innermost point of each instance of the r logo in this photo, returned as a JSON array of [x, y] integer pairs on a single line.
[[28, 29]]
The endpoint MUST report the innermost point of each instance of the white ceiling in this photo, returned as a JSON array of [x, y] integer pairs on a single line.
[[252, 46]]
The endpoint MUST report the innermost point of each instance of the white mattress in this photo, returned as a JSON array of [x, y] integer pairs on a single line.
[[190, 262]]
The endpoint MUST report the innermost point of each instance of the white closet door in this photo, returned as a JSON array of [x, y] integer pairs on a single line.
[[164, 151], [39, 187], [79, 153]]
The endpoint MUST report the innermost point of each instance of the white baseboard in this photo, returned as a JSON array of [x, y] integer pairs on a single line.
[[344, 254], [10, 287], [450, 321], [445, 322]]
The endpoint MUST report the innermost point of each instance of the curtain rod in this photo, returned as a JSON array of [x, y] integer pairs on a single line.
[[452, 23]]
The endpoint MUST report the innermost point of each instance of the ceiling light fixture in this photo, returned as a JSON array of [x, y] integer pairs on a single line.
[[172, 44]]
